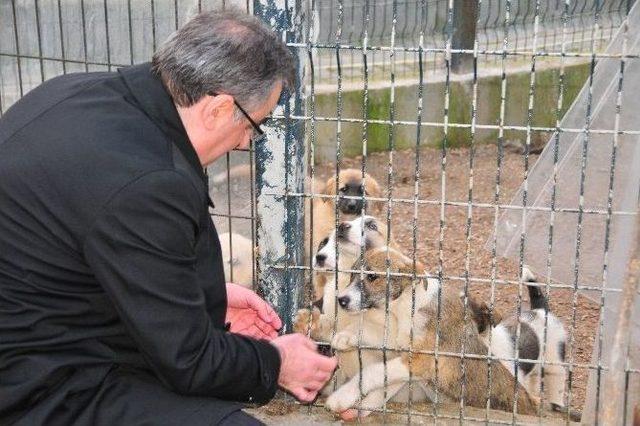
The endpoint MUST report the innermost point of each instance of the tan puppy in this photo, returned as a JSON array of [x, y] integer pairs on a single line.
[[238, 262], [351, 184], [453, 335]]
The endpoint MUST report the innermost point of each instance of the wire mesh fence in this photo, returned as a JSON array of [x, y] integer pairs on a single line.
[[429, 19], [434, 149]]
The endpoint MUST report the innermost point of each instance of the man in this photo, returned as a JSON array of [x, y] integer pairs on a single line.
[[113, 304]]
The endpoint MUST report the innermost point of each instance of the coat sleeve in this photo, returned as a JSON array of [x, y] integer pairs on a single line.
[[141, 249]]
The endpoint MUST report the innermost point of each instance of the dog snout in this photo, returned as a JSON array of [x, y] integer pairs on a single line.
[[344, 301], [320, 259], [343, 229]]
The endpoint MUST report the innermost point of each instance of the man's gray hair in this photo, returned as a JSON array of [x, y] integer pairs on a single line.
[[224, 52]]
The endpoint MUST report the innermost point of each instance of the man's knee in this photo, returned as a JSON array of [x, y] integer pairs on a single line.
[[240, 418]]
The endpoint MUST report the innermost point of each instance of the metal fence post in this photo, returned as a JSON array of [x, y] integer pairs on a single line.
[[280, 172], [465, 17]]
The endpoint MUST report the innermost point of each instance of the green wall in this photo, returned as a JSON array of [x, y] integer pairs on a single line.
[[546, 93]]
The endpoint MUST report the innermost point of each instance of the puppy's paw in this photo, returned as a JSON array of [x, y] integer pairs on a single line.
[[344, 341], [306, 321], [342, 399]]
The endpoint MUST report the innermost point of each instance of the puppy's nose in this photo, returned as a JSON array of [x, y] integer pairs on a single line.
[[352, 205], [320, 258], [343, 228], [344, 301]]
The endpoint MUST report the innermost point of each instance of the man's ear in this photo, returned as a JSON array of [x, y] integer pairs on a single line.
[[215, 109]]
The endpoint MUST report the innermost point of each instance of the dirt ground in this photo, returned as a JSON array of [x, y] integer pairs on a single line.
[[286, 412], [454, 249], [581, 327]]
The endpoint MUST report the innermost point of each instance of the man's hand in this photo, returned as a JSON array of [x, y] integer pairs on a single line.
[[249, 315], [303, 371]]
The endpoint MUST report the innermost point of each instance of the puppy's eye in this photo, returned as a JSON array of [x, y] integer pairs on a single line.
[[343, 189], [373, 277], [372, 225]]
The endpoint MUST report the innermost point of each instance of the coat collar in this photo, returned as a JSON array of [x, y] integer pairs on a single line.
[[155, 101]]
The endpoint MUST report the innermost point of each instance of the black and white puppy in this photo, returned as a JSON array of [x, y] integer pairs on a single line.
[[534, 343]]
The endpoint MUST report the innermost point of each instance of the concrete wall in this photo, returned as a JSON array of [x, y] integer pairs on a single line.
[[489, 93]]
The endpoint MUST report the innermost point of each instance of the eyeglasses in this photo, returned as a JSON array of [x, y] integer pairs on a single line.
[[258, 132]]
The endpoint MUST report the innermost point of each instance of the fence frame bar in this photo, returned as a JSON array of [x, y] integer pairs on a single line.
[[280, 166]]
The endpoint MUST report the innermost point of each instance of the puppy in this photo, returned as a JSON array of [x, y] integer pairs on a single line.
[[324, 210], [238, 262], [533, 344], [348, 237], [350, 243], [434, 322], [352, 184], [321, 325]]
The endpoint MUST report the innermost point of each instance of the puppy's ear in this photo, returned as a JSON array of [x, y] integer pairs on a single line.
[[479, 312], [330, 187], [407, 266], [496, 316], [318, 187], [420, 268], [372, 186]]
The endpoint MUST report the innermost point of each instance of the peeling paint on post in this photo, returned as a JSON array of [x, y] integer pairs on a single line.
[[280, 171]]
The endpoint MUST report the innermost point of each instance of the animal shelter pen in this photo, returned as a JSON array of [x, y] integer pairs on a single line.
[[531, 103]]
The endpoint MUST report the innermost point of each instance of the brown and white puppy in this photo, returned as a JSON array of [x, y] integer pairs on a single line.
[[435, 322], [335, 325], [534, 343], [350, 238], [237, 259]]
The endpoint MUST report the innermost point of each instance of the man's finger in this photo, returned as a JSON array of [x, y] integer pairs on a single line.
[[269, 334], [304, 395], [315, 385], [325, 363], [266, 328], [322, 376], [310, 344], [252, 331], [258, 333], [268, 315]]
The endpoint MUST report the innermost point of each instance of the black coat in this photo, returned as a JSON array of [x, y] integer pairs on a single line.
[[109, 261]]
